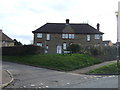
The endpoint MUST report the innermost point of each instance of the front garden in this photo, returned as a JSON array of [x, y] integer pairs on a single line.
[[66, 62]]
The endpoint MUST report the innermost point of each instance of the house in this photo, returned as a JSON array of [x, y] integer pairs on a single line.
[[107, 43], [5, 40], [56, 37]]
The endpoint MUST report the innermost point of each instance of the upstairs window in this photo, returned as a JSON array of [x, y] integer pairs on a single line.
[[66, 36], [97, 36], [48, 37], [88, 37], [63, 35], [39, 35], [39, 44], [73, 36]]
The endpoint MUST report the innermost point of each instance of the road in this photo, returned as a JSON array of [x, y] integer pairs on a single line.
[[34, 77]]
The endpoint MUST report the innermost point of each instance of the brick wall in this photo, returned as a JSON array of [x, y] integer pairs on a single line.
[[56, 39]]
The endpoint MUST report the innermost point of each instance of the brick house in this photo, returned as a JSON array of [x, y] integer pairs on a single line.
[[56, 37], [5, 40]]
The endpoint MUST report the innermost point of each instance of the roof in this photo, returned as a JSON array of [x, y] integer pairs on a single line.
[[107, 41], [6, 38], [60, 27]]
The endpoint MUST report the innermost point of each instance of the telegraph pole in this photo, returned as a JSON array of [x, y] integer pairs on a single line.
[[118, 34]]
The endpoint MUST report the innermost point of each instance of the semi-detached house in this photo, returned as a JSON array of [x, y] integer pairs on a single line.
[[56, 37]]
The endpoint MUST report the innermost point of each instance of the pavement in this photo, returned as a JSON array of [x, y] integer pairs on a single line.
[[85, 70], [7, 76]]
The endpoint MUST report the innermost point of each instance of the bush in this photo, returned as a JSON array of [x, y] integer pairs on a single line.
[[75, 48], [22, 50]]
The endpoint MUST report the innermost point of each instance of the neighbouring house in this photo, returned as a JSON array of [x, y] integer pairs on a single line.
[[5, 40], [107, 43], [56, 37]]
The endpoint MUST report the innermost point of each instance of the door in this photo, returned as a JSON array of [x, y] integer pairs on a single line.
[[59, 49]]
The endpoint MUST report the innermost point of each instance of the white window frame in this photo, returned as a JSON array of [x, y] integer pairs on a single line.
[[59, 49], [64, 46], [39, 35], [66, 36], [73, 36], [70, 36], [97, 36], [88, 37], [47, 47], [63, 35], [48, 37], [39, 44]]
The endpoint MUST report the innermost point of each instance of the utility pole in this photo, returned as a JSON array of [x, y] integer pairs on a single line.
[[118, 34]]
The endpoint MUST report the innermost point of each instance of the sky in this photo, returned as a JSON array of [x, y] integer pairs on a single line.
[[18, 18]]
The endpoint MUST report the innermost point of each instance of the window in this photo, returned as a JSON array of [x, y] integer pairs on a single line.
[[46, 51], [97, 36], [70, 36], [66, 36], [64, 46], [48, 37], [46, 46], [3, 41], [63, 35], [73, 36], [39, 35], [39, 44], [88, 37]]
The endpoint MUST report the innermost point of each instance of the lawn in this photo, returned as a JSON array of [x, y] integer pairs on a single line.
[[107, 69], [65, 62]]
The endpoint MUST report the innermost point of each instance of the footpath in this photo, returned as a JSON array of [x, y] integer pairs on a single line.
[[7, 78], [85, 70]]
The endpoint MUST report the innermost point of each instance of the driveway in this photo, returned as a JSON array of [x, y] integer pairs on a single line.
[[34, 77]]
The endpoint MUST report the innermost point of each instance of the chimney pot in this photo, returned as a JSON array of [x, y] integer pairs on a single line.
[[67, 21], [98, 26]]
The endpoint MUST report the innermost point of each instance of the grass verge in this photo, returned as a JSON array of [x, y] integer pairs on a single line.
[[107, 69], [58, 62]]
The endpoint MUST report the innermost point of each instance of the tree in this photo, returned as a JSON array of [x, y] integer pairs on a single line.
[[16, 43]]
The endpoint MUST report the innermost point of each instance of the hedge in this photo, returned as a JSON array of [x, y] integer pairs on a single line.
[[22, 50]]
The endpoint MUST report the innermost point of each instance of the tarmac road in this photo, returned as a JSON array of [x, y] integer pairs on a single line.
[[34, 77]]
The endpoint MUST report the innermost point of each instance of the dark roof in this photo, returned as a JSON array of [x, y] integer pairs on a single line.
[[107, 41], [59, 27], [6, 38]]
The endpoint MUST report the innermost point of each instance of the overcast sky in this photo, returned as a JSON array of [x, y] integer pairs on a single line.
[[18, 18]]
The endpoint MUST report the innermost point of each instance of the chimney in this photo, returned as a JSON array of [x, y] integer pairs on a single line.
[[0, 30], [67, 21], [98, 26]]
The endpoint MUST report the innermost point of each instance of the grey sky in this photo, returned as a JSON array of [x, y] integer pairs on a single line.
[[20, 17]]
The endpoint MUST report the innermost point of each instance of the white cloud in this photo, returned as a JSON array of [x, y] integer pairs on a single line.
[[20, 17]]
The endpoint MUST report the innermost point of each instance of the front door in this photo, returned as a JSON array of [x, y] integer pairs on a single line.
[[59, 49]]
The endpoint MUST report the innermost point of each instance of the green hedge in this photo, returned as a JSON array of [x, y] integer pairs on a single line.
[[22, 50]]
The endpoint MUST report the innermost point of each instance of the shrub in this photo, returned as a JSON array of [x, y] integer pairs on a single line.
[[75, 48]]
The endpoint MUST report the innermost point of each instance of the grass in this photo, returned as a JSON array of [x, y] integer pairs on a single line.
[[58, 62], [107, 69]]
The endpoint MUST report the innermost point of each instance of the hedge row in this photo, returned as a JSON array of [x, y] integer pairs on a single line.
[[22, 50]]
